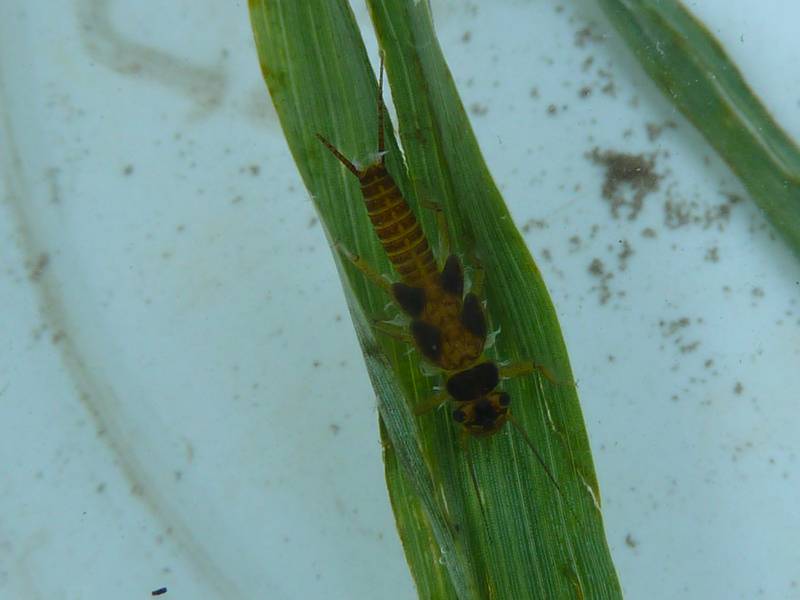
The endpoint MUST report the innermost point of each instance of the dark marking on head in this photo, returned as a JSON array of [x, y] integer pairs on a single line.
[[504, 399], [485, 415], [452, 277], [411, 299], [428, 338], [473, 383], [472, 316], [459, 416]]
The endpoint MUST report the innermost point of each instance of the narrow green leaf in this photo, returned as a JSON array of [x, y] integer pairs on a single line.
[[690, 66], [513, 534]]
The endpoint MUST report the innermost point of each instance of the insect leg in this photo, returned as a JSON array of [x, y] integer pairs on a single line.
[[393, 330], [381, 112], [363, 266], [527, 367], [431, 403], [441, 226], [464, 442], [478, 277], [340, 157]]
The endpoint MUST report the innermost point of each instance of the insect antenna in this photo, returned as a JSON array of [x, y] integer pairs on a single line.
[[342, 158], [541, 461], [464, 438], [381, 111]]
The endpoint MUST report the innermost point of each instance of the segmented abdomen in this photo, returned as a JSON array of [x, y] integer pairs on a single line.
[[397, 227]]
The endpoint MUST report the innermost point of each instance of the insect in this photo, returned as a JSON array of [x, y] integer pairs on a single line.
[[447, 326]]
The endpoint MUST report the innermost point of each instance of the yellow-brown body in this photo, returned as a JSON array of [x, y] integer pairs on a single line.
[[408, 249], [447, 326], [397, 227]]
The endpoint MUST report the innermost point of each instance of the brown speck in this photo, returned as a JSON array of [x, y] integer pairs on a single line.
[[312, 222], [757, 292], [316, 364], [681, 213], [738, 388], [534, 224], [654, 130], [466, 37], [254, 170], [127, 170], [712, 255], [57, 336], [552, 109], [630, 170], [649, 232], [335, 429], [669, 328], [534, 93], [609, 89], [630, 541], [39, 266], [688, 348], [478, 109], [625, 252], [597, 269], [585, 92], [586, 34]]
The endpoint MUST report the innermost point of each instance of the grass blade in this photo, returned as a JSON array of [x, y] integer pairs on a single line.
[[524, 537], [690, 66]]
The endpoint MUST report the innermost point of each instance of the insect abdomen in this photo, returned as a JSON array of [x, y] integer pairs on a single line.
[[396, 226]]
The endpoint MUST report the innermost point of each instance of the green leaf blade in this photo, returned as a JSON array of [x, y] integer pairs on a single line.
[[519, 536], [690, 66]]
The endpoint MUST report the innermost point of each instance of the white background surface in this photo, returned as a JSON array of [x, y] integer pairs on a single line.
[[182, 400]]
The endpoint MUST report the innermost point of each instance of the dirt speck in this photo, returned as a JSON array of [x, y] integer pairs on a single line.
[[670, 328], [634, 172], [598, 270], [38, 268], [649, 232], [534, 224], [625, 252], [478, 109], [587, 35], [655, 130]]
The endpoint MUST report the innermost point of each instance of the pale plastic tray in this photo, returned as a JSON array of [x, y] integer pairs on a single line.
[[182, 400]]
